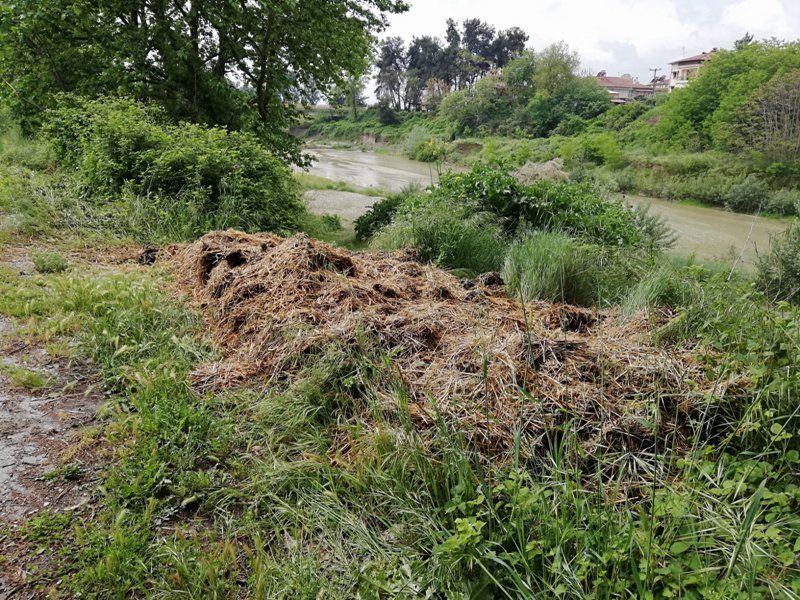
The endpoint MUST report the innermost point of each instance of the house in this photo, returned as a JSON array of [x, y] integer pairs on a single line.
[[623, 89], [685, 69]]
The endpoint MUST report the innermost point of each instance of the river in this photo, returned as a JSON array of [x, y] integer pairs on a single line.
[[708, 233]]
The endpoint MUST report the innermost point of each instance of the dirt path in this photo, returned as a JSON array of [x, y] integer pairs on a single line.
[[46, 440]]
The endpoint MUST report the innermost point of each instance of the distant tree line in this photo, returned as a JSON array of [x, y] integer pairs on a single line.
[[420, 76]]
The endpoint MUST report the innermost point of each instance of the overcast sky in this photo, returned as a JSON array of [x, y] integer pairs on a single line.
[[619, 36]]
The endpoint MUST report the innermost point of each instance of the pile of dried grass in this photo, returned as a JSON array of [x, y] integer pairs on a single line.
[[552, 170], [487, 364]]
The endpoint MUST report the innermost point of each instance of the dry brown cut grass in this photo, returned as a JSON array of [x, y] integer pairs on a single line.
[[488, 365]]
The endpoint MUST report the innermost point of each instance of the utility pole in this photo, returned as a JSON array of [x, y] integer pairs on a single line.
[[655, 72]]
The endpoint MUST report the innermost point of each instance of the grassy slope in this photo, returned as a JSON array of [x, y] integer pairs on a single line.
[[225, 495]]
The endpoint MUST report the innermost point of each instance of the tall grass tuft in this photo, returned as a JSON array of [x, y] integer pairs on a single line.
[[551, 267], [442, 234]]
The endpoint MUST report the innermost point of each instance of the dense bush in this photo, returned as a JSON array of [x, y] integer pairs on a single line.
[[574, 208], [748, 196], [596, 148], [783, 202], [779, 270], [185, 178], [380, 214], [711, 189]]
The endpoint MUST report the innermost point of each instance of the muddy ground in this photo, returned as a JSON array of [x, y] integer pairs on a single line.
[[48, 442]]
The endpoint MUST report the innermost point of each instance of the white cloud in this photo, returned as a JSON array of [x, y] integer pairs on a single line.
[[764, 18]]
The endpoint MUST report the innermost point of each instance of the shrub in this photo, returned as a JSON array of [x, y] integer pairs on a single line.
[[783, 202], [575, 208], [444, 234], [175, 180], [380, 214], [108, 141], [386, 114], [748, 196], [598, 148], [422, 146], [779, 271], [710, 188]]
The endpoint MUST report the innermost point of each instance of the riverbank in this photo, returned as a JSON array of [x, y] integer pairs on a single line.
[[254, 415], [705, 232], [606, 157]]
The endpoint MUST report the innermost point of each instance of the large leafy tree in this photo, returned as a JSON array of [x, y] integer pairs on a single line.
[[242, 63]]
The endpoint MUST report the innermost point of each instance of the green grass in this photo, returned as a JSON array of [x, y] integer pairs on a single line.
[[49, 262], [68, 472], [443, 235], [20, 377]]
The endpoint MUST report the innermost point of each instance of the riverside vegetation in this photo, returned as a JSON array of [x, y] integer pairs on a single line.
[[729, 139], [514, 393], [334, 472]]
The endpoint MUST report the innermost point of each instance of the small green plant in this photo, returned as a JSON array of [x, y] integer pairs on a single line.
[[21, 377], [69, 472], [49, 262], [47, 526]]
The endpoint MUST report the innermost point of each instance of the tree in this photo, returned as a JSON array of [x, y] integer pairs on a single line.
[[705, 114], [425, 61], [744, 41], [556, 65], [349, 94], [479, 40], [770, 122], [391, 72], [509, 44], [436, 90], [252, 64]]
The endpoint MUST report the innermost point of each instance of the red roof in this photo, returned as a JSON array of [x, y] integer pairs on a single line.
[[699, 58], [620, 82]]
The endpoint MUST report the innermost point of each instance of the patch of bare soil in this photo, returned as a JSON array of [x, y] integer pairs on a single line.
[[46, 458], [461, 349]]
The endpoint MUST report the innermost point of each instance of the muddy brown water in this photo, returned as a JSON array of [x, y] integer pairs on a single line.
[[707, 233], [370, 169]]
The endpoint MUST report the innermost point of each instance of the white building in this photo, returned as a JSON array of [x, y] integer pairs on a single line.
[[682, 71]]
